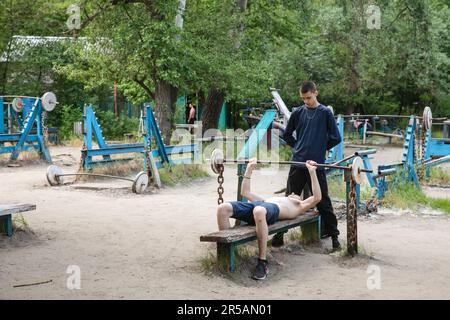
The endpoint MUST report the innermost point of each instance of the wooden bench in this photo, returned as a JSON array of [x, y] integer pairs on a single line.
[[228, 240], [6, 212]]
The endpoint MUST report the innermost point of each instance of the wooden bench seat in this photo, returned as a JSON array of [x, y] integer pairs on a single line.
[[6, 212], [228, 240]]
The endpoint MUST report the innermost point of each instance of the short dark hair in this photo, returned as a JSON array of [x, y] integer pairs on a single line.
[[308, 86]]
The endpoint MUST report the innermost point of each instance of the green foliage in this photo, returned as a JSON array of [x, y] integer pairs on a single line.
[[69, 116], [112, 128], [115, 128], [285, 153], [439, 176], [398, 69]]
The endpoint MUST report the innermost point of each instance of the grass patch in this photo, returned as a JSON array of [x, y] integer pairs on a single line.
[[25, 157], [211, 265], [440, 204], [73, 141], [19, 223], [121, 169], [181, 174], [439, 176], [336, 188], [285, 153], [407, 196]]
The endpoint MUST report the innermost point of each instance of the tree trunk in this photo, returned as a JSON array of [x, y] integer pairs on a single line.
[[242, 4], [165, 97], [212, 109], [353, 85], [6, 64]]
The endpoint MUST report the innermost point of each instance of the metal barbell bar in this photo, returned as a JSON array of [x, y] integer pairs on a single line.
[[357, 166], [55, 178], [427, 117]]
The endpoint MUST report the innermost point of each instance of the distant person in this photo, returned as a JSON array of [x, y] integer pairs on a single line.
[[191, 118], [192, 112]]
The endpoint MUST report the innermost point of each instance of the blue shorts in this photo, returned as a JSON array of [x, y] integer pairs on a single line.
[[244, 211]]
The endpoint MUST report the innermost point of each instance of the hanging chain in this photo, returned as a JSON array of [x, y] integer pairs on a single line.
[[148, 149], [351, 220], [82, 159], [44, 127], [220, 180], [416, 143], [420, 158]]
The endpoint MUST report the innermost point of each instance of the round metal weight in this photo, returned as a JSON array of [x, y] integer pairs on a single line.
[[17, 104], [49, 101], [427, 118], [216, 160], [331, 108], [357, 166], [140, 183], [53, 177]]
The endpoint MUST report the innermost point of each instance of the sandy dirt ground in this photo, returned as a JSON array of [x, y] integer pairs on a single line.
[[147, 246]]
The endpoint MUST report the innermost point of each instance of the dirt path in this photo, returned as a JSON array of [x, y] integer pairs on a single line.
[[147, 246]]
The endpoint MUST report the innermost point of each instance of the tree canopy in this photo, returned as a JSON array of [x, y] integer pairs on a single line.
[[395, 60]]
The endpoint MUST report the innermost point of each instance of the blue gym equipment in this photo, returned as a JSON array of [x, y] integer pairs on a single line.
[[28, 116], [161, 155]]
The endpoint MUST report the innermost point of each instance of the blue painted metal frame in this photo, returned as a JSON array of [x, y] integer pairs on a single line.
[[337, 152], [92, 129], [257, 135], [152, 128], [2, 118], [251, 145], [32, 116], [409, 172], [408, 162]]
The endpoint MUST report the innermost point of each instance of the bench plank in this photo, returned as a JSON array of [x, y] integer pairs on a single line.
[[7, 209], [239, 233]]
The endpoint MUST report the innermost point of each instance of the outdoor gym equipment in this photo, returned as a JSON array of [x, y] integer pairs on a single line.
[[55, 177]]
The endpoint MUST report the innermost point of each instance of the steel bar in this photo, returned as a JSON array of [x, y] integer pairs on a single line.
[[94, 175], [293, 163]]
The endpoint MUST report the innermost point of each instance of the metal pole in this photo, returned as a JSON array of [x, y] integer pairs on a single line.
[[298, 163], [94, 175]]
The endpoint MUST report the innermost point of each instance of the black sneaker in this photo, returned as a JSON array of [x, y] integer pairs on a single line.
[[277, 240], [262, 270], [336, 244]]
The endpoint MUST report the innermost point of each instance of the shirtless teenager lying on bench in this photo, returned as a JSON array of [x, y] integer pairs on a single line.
[[263, 212]]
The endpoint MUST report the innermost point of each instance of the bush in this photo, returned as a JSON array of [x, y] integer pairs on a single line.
[[112, 128], [70, 114]]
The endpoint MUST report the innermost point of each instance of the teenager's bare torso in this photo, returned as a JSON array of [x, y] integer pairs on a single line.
[[289, 209]]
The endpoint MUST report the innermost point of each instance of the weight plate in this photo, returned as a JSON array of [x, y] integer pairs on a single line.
[[53, 173], [49, 101], [427, 118], [140, 182], [216, 160], [357, 165], [17, 104]]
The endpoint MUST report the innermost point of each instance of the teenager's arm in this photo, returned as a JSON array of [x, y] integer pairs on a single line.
[[312, 201], [334, 137], [290, 128], [245, 186]]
